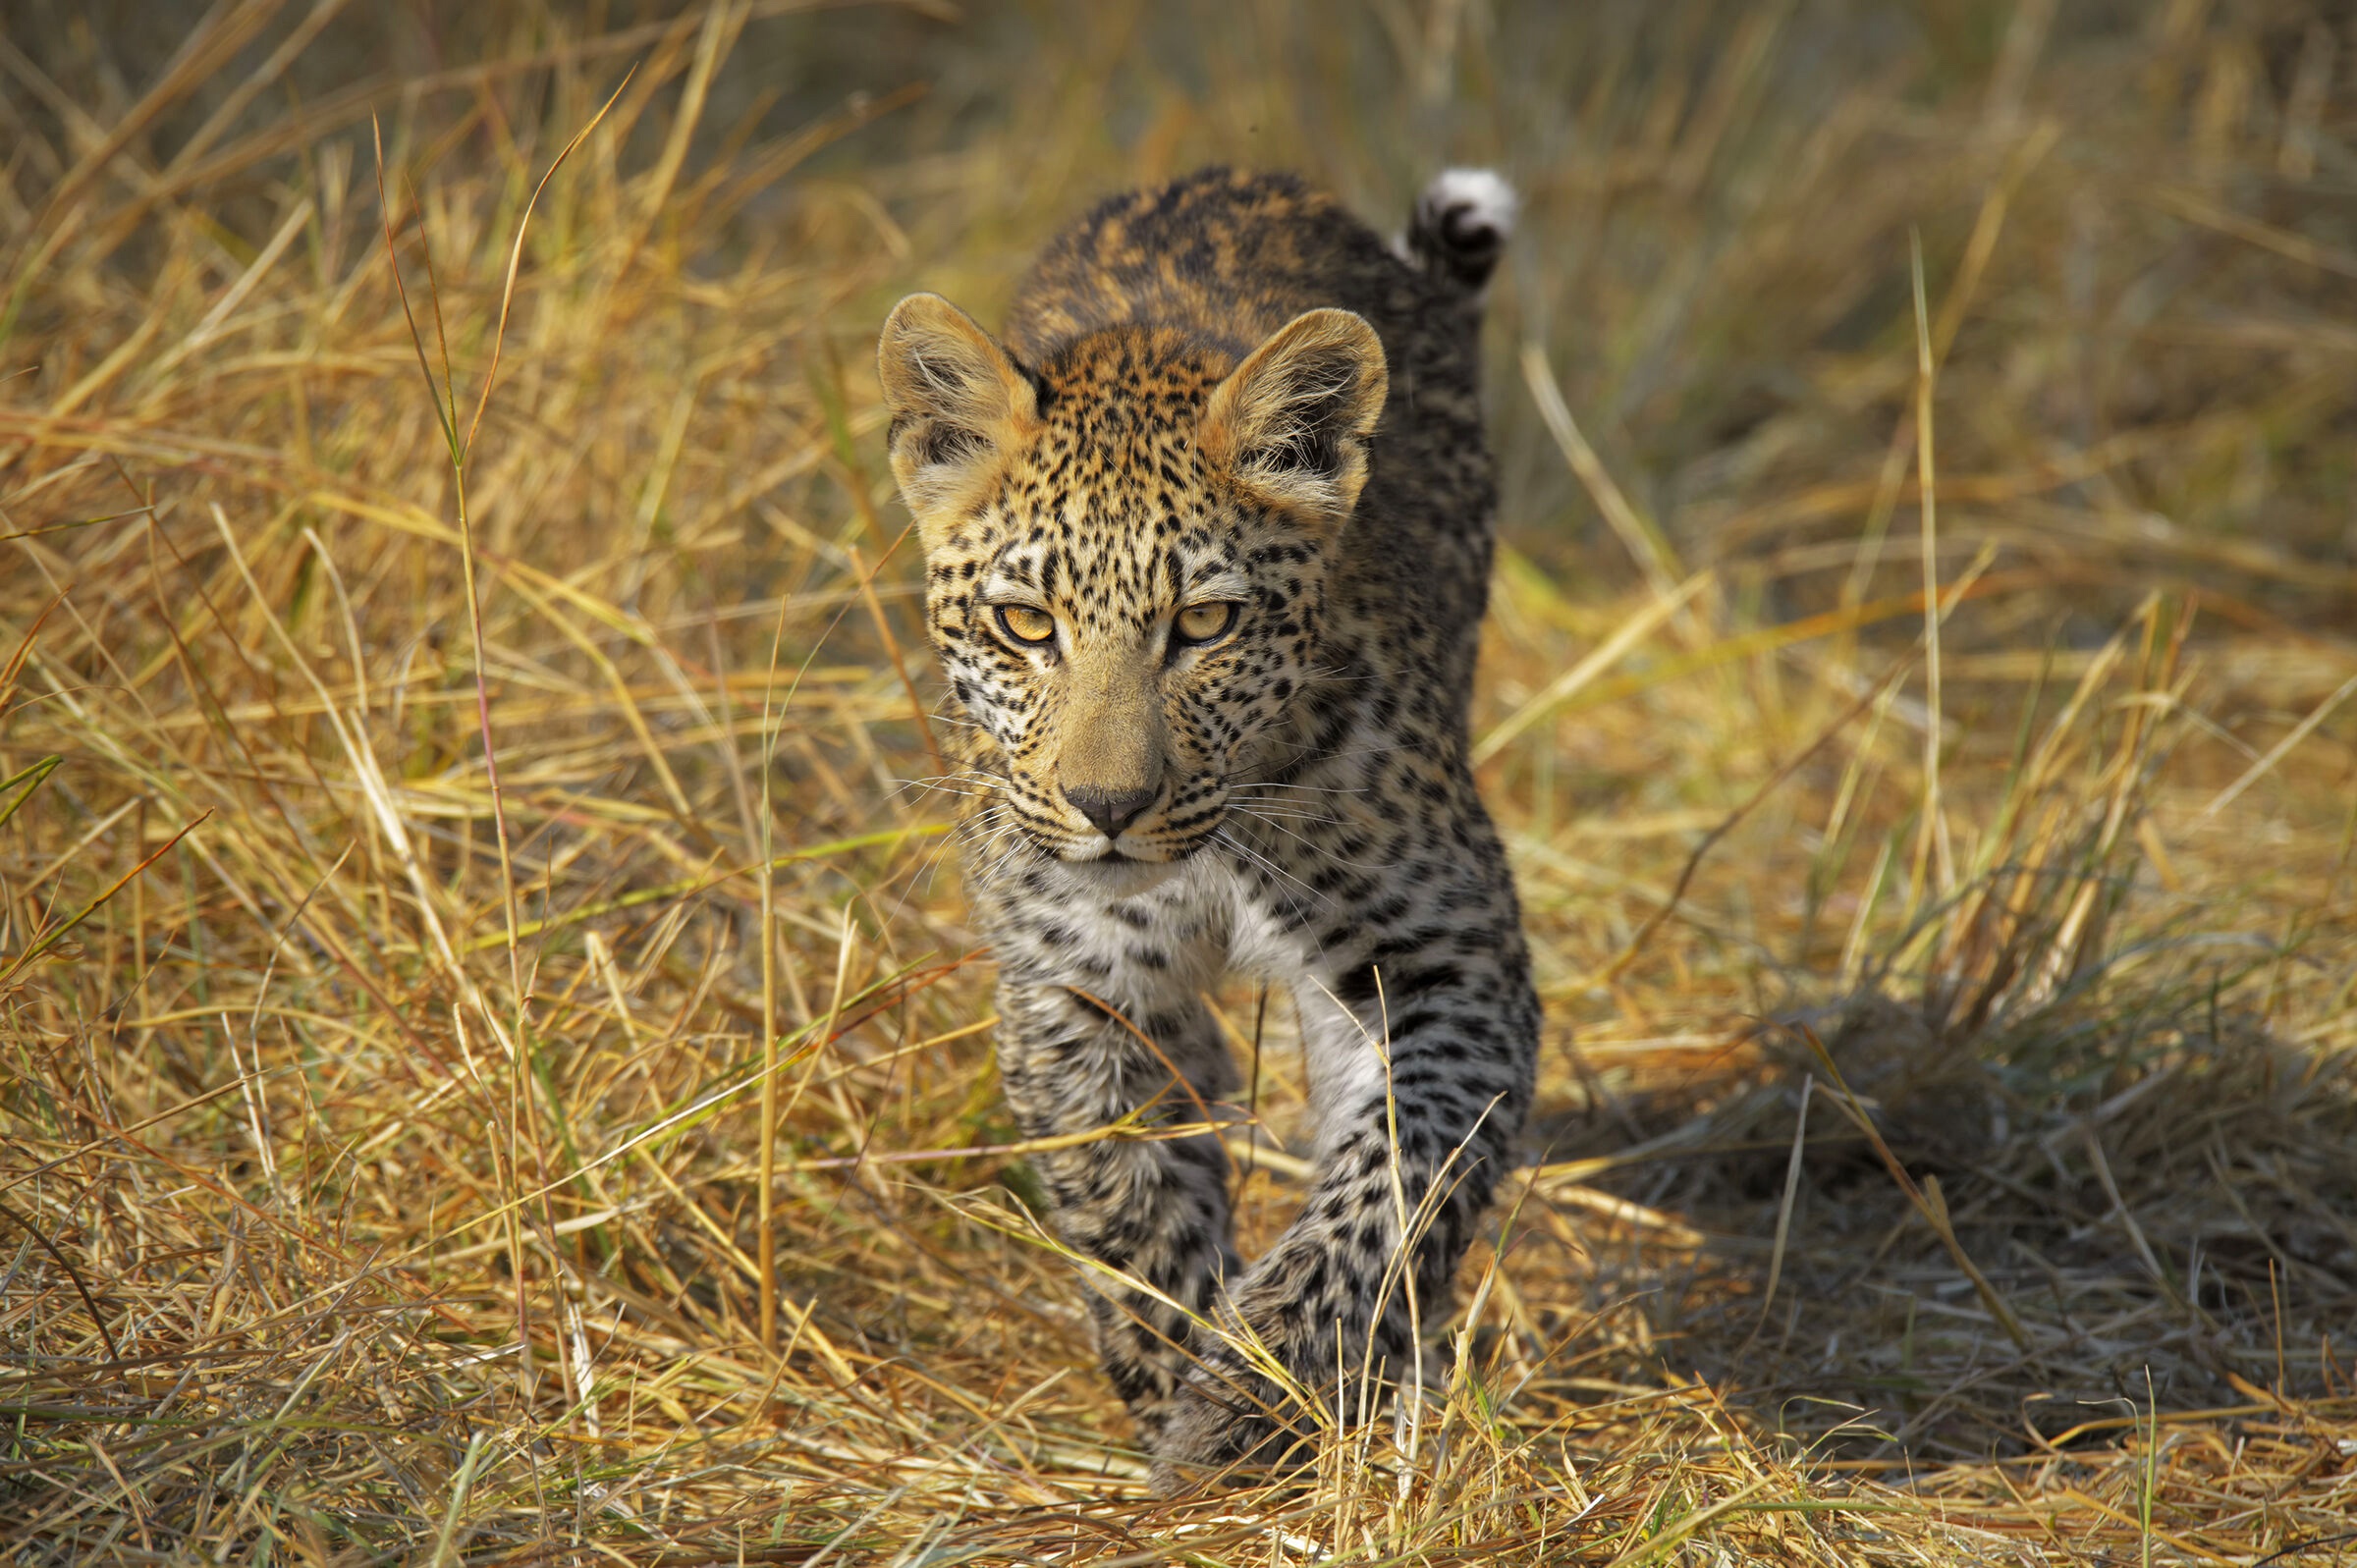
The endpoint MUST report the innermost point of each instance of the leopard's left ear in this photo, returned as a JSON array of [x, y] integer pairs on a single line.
[[1290, 425], [958, 404]]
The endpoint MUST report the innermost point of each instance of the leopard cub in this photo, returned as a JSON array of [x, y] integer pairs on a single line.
[[1208, 537]]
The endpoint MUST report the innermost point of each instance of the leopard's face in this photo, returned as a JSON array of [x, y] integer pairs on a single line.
[[1124, 633], [1125, 558]]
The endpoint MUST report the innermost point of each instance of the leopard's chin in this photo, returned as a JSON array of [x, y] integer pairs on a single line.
[[1116, 875]]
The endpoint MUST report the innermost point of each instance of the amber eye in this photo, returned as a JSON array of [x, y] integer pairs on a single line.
[[1027, 624], [1205, 623]]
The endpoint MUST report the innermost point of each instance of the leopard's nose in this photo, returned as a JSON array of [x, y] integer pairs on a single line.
[[1111, 810]]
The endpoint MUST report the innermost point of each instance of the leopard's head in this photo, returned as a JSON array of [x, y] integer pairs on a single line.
[[1126, 550]]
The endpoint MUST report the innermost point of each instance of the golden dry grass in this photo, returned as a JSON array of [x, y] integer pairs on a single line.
[[1948, 1140]]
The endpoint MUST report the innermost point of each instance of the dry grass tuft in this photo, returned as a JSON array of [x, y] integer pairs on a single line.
[[1947, 1149]]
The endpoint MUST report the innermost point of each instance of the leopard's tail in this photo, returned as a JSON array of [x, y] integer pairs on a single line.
[[1460, 225]]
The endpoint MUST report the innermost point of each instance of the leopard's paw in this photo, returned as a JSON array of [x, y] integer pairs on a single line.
[[1215, 1432]]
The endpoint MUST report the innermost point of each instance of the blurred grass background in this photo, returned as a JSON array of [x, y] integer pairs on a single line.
[[1941, 893]]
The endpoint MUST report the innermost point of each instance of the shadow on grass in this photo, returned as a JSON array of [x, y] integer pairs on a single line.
[[2162, 1197]]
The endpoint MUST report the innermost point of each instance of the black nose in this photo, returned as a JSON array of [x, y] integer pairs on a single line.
[[1111, 810]]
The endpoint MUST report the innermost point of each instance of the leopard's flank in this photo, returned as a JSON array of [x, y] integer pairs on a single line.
[[1208, 540]]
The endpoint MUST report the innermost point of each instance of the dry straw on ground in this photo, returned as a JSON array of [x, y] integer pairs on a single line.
[[1944, 898]]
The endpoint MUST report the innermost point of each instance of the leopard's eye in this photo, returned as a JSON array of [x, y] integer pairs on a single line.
[[1026, 623], [1206, 623]]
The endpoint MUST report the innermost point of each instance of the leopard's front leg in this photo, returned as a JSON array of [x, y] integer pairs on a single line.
[[1155, 1210], [1421, 1061]]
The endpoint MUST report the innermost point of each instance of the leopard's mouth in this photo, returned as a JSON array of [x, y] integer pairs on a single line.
[[1154, 849], [1187, 821], [1173, 840], [1112, 853]]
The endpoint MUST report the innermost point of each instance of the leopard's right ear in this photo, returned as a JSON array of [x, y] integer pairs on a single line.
[[958, 404]]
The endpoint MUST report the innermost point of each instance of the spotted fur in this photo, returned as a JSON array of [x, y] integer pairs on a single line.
[[1227, 391]]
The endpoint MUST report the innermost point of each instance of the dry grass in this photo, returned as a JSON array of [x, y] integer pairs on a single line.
[[1947, 1146]]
